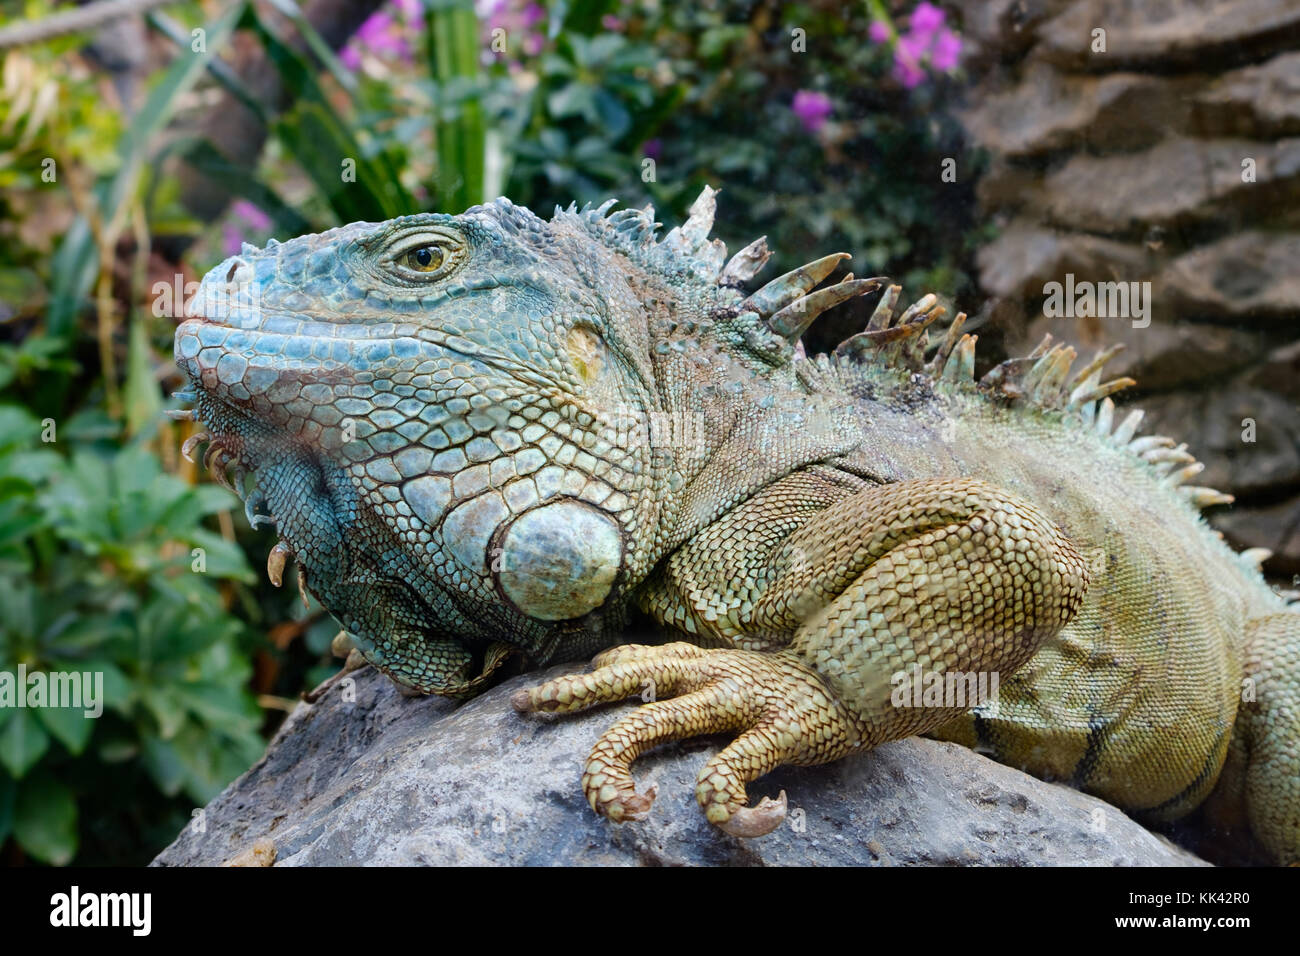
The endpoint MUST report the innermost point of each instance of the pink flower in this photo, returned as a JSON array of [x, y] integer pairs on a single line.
[[381, 34], [611, 22], [911, 48], [523, 23], [246, 211], [908, 74], [242, 213], [231, 240], [532, 13], [946, 52], [374, 28], [926, 18], [812, 108], [926, 44]]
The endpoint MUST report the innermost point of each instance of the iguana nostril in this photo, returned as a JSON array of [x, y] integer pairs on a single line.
[[240, 273]]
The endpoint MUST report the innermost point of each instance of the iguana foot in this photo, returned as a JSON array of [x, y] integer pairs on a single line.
[[780, 708], [354, 662]]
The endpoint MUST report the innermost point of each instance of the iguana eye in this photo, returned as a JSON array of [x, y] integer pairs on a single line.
[[425, 259]]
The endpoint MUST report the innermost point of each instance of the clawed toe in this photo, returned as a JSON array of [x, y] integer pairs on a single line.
[[756, 821]]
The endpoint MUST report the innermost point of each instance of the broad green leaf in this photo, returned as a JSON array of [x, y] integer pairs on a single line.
[[23, 741], [162, 760], [45, 820], [68, 725]]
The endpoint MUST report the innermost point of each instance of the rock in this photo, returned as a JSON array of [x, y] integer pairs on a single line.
[[1252, 274], [1020, 261], [389, 780], [1048, 111], [997, 29], [1165, 34], [1276, 527], [1256, 101], [1246, 460], [1280, 372], [1179, 182]]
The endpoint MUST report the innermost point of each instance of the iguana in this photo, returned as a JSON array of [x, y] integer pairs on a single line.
[[487, 436]]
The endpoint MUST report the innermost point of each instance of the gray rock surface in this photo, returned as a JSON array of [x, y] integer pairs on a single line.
[[389, 780]]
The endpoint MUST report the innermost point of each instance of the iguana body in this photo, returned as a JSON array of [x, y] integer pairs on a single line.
[[487, 435]]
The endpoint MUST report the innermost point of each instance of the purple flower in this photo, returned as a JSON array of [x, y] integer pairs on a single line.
[[531, 14], [652, 149], [231, 240], [946, 52], [879, 31], [246, 211], [374, 28], [908, 74], [242, 214], [812, 108], [380, 34], [911, 48], [524, 24], [611, 22], [926, 18]]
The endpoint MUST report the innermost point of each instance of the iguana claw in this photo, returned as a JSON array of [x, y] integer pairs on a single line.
[[756, 821]]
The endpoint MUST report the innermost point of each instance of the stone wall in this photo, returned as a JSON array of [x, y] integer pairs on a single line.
[[1170, 157]]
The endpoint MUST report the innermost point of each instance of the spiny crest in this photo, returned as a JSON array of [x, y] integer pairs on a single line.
[[685, 249], [783, 309], [786, 306], [1045, 378]]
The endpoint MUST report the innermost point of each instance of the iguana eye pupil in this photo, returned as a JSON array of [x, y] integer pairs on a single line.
[[424, 259]]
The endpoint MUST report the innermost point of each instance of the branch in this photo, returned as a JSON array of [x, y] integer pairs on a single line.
[[74, 20]]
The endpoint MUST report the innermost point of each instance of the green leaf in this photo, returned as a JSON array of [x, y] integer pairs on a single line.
[[164, 764], [22, 742], [168, 709], [69, 725], [45, 820]]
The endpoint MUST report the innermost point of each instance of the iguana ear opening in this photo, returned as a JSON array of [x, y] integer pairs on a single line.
[[586, 351]]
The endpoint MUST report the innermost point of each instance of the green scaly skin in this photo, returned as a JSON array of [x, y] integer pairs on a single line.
[[488, 436]]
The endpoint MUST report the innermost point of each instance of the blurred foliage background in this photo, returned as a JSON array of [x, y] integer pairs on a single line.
[[137, 154]]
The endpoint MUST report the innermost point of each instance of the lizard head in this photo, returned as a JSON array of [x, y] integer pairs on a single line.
[[454, 418], [440, 402]]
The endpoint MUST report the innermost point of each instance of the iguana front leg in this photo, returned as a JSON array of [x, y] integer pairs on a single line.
[[841, 590]]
